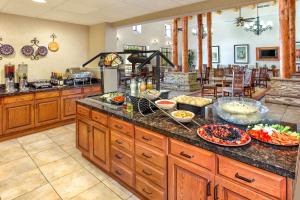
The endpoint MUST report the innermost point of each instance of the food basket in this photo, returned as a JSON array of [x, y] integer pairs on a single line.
[[242, 111]]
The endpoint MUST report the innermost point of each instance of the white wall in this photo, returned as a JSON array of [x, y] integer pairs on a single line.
[[19, 31], [225, 34]]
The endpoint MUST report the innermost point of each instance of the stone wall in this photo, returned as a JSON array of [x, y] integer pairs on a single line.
[[284, 91], [180, 81]]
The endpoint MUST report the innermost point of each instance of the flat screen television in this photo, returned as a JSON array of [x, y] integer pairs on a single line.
[[267, 53]]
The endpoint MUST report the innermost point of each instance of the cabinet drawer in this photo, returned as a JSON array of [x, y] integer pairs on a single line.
[[121, 141], [149, 172], [18, 98], [83, 111], [122, 173], [71, 92], [100, 118], [91, 89], [149, 190], [151, 138], [119, 156], [264, 181], [46, 95], [151, 155], [122, 126], [193, 154]]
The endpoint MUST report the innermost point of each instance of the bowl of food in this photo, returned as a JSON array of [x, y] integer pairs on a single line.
[[118, 100], [165, 104], [194, 104], [242, 111], [151, 94], [183, 115]]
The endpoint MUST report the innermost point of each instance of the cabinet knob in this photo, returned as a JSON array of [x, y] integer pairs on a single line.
[[118, 126], [118, 156]]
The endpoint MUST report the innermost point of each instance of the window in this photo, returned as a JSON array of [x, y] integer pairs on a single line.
[[168, 30], [137, 29]]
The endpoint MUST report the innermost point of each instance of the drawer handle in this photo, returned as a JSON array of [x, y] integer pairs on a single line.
[[186, 155], [208, 188], [244, 178], [118, 142], [146, 138], [144, 190], [147, 173], [216, 192], [118, 156], [146, 156], [118, 173], [118, 126]]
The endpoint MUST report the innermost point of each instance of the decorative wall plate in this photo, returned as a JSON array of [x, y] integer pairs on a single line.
[[53, 46], [27, 50], [42, 51], [6, 50]]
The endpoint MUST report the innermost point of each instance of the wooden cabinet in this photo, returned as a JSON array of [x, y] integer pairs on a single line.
[[83, 129], [47, 111], [68, 106], [188, 181], [91, 90], [99, 145], [228, 190], [18, 116]]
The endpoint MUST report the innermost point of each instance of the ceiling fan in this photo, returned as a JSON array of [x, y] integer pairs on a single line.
[[240, 21]]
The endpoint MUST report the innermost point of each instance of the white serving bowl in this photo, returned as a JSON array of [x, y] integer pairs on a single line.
[[183, 120], [151, 94], [166, 106]]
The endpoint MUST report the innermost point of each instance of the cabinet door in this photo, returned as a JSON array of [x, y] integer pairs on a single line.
[[187, 181], [18, 116], [99, 146], [68, 106], [47, 111], [83, 129], [228, 190]]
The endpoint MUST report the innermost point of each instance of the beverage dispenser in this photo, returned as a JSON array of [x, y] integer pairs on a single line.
[[9, 70], [22, 74]]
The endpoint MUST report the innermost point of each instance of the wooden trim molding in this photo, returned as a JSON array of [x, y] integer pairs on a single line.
[[259, 49]]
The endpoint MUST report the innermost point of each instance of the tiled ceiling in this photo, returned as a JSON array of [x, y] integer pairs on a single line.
[[88, 12]]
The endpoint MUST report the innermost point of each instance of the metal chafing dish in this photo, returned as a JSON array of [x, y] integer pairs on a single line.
[[79, 76]]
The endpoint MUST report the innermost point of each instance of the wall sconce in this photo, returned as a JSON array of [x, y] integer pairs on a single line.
[[154, 41], [168, 43]]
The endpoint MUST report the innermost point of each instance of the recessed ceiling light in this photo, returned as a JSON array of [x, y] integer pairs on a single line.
[[40, 1]]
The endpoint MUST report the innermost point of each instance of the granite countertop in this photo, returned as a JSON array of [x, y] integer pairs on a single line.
[[3, 92], [278, 160]]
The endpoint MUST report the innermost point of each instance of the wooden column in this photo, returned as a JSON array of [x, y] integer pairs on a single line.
[[292, 34], [185, 63], [200, 52], [209, 40], [175, 43], [284, 39]]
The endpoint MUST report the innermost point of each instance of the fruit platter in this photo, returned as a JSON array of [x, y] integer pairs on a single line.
[[275, 134], [224, 135], [242, 111]]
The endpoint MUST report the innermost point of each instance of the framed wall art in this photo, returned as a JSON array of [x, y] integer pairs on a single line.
[[216, 54], [241, 54]]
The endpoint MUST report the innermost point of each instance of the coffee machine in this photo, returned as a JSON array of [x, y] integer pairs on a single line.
[[9, 70], [22, 74]]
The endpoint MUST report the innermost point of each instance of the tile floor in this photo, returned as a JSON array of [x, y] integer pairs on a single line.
[[48, 166]]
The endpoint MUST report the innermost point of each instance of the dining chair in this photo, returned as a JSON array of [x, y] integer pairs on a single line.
[[237, 86]]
